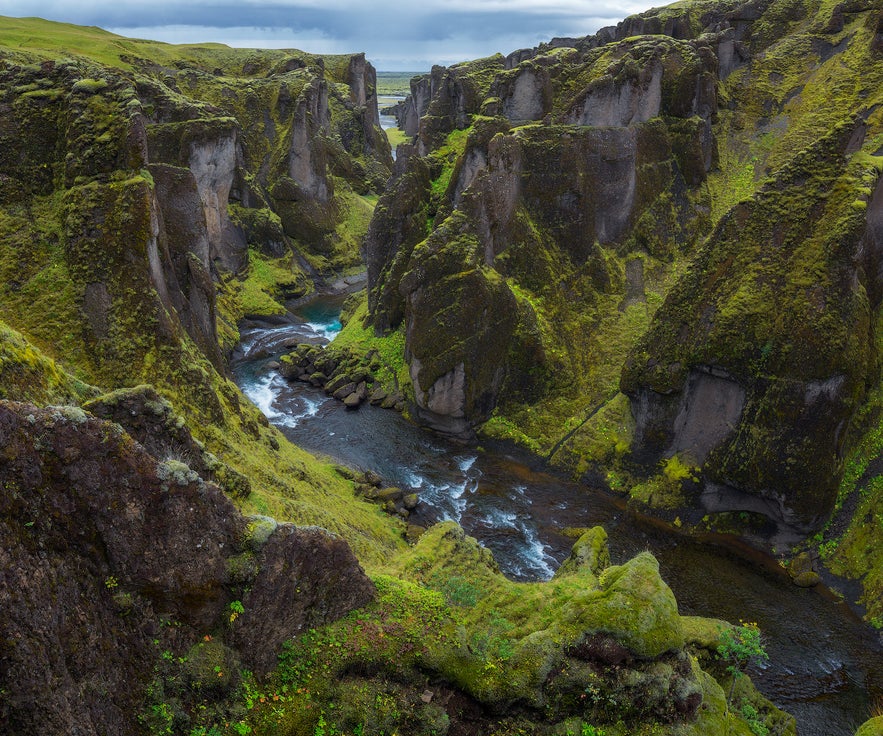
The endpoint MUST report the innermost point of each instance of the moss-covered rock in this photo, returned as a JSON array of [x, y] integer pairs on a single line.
[[873, 727], [589, 553], [685, 210]]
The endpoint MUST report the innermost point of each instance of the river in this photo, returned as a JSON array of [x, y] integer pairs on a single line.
[[826, 667]]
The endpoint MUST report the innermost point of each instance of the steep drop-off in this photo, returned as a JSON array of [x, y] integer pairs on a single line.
[[652, 255]]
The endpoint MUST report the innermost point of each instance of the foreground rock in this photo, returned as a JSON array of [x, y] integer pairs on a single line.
[[108, 558]]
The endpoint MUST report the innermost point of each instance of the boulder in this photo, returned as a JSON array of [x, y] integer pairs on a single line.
[[590, 553], [119, 543], [807, 579]]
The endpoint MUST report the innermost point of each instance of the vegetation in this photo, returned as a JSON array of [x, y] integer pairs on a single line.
[[568, 271]]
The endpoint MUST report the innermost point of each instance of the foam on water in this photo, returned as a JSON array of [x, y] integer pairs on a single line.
[[265, 391], [262, 396], [325, 330], [265, 337], [500, 519], [465, 462], [535, 554], [521, 492]]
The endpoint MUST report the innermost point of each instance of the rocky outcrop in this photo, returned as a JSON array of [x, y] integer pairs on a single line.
[[511, 193], [782, 394], [413, 107], [187, 167], [346, 377], [111, 557], [150, 420]]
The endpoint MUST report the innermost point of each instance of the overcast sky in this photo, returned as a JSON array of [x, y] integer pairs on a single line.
[[408, 35]]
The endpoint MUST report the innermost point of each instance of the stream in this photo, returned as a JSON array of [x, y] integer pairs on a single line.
[[825, 667]]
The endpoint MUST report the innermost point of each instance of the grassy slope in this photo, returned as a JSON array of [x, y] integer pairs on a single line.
[[50, 40]]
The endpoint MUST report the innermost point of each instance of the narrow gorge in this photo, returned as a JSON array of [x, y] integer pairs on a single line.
[[643, 263]]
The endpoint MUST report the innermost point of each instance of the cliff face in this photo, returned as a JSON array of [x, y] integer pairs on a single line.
[[194, 165], [682, 208], [533, 205], [142, 202]]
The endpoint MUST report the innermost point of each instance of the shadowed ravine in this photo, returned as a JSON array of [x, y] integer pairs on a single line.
[[825, 667]]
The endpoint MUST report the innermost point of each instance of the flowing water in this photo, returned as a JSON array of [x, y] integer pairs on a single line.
[[825, 667], [387, 122]]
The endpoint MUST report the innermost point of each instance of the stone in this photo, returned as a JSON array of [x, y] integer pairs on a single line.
[[372, 478], [807, 579], [101, 534], [589, 553], [258, 531], [801, 563], [344, 391], [352, 401], [410, 501], [391, 494]]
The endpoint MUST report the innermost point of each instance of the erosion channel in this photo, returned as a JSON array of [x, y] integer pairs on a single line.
[[825, 667]]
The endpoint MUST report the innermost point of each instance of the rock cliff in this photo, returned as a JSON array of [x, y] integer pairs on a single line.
[[663, 237], [152, 195]]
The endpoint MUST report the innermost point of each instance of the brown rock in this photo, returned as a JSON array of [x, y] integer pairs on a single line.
[[100, 543], [344, 391], [391, 494]]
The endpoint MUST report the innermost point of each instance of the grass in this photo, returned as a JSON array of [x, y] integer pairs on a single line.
[[50, 40], [395, 84], [396, 136], [390, 349]]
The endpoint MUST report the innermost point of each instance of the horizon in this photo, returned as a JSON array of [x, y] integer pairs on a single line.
[[395, 36]]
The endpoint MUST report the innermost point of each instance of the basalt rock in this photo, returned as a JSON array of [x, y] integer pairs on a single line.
[[513, 194], [151, 420], [101, 544]]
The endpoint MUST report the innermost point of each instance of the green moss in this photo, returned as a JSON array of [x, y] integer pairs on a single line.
[[268, 283], [442, 162], [396, 136], [502, 642], [28, 375], [388, 350], [873, 727]]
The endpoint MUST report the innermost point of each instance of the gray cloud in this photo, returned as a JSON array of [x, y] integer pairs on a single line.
[[395, 35]]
